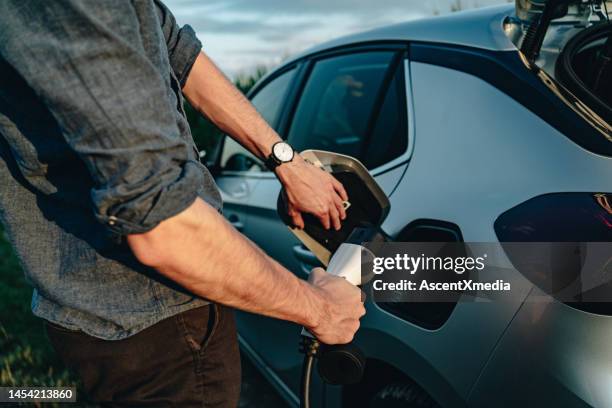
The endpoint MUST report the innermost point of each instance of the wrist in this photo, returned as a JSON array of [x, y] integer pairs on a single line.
[[281, 153], [285, 171], [265, 139], [315, 307]]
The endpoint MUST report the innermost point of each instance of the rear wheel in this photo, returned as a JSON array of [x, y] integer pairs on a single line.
[[402, 395]]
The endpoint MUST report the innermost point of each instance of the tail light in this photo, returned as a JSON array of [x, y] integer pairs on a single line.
[[567, 223]]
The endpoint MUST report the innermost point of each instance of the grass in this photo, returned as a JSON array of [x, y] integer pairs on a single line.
[[26, 357]]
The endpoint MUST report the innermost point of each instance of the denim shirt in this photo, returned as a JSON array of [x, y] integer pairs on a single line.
[[94, 145]]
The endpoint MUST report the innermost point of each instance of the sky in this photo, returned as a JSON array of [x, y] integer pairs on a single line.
[[240, 35]]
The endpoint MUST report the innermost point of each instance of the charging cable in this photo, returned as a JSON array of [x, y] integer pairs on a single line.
[[309, 346]]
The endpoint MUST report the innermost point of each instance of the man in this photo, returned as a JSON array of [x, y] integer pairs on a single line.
[[115, 220]]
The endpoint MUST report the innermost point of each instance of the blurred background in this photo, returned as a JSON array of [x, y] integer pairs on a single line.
[[246, 38], [241, 35]]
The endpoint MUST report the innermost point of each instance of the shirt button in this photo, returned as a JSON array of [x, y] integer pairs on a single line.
[[112, 220]]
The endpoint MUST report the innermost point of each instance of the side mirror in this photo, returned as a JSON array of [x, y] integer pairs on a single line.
[[240, 162], [211, 154]]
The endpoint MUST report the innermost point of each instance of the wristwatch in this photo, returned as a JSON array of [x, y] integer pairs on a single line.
[[282, 152]]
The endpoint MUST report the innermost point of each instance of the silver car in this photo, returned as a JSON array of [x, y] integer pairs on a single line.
[[472, 141]]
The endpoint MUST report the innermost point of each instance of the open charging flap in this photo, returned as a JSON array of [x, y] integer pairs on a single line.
[[367, 204]]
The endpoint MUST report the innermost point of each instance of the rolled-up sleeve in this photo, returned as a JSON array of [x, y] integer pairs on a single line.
[[183, 45], [85, 61]]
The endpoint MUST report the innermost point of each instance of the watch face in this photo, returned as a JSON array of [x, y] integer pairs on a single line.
[[283, 152]]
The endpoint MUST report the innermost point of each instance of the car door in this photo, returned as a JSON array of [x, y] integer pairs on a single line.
[[240, 171], [352, 102]]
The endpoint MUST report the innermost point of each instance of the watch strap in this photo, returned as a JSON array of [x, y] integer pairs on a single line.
[[271, 162]]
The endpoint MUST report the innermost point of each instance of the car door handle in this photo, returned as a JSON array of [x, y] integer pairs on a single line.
[[235, 221], [304, 255]]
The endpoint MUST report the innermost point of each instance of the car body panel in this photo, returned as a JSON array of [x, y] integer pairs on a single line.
[[551, 355], [471, 187], [236, 194], [474, 152], [473, 180]]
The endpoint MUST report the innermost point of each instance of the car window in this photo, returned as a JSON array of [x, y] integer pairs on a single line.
[[339, 103], [388, 139], [269, 102]]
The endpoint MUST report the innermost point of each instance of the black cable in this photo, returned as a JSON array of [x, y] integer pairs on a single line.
[[306, 376], [309, 347]]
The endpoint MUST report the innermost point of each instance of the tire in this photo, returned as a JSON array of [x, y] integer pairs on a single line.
[[402, 395]]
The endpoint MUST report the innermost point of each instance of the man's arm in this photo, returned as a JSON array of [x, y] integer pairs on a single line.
[[309, 189], [202, 252], [112, 106]]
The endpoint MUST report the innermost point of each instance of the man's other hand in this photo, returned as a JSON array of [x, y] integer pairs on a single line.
[[312, 190], [340, 309]]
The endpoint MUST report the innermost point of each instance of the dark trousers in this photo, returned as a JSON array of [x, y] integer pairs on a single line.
[[188, 360]]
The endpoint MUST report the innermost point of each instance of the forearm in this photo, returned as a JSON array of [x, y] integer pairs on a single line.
[[309, 189], [201, 251], [211, 93]]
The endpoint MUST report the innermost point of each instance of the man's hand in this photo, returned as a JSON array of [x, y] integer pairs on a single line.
[[314, 191], [341, 309], [309, 189]]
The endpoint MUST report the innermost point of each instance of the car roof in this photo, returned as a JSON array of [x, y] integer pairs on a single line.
[[480, 28]]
